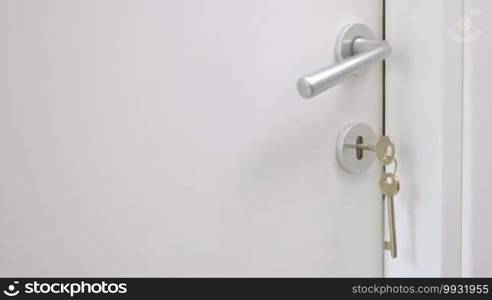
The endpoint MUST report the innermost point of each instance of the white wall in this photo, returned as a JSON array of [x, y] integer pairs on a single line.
[[438, 110], [423, 115], [477, 146]]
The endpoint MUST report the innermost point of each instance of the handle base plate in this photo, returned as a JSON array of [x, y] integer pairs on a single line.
[[346, 37], [347, 153]]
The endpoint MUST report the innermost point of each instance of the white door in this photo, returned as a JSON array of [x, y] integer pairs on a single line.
[[166, 138]]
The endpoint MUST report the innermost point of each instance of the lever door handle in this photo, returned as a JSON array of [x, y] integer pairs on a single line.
[[355, 49]]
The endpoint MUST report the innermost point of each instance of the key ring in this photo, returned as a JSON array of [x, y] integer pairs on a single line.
[[391, 160]]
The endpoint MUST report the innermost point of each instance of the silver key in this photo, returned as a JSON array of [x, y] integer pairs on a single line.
[[390, 186], [385, 150]]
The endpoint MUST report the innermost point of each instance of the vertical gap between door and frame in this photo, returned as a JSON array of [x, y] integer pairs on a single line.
[[383, 133]]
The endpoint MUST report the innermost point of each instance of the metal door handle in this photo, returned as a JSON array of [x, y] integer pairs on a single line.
[[355, 49]]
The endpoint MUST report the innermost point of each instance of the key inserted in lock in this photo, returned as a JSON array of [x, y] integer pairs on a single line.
[[352, 158], [354, 155]]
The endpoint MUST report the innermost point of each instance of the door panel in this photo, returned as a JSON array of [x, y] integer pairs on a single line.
[[166, 138]]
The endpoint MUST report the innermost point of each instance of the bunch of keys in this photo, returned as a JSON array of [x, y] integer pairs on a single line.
[[388, 183], [390, 186]]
